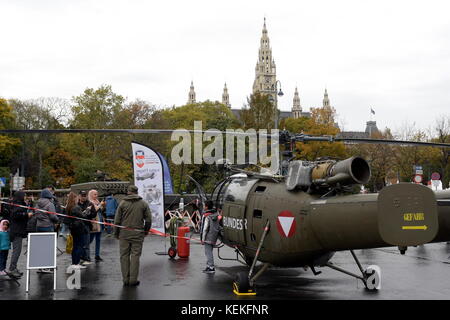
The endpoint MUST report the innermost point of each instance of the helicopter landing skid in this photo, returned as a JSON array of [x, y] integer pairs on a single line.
[[244, 283], [238, 254], [371, 277]]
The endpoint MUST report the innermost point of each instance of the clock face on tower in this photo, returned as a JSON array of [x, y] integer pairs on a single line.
[[267, 79]]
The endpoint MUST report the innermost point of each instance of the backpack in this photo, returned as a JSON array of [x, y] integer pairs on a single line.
[[111, 206], [69, 244]]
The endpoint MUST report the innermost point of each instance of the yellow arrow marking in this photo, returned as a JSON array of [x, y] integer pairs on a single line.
[[414, 228]]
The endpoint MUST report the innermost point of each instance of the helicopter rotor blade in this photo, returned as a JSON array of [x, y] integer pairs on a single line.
[[282, 135], [28, 131], [390, 141], [306, 138], [90, 131]]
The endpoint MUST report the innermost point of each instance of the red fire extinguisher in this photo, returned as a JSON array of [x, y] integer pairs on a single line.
[[183, 242]]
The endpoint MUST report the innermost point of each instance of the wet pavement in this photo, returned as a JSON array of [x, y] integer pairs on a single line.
[[422, 273]]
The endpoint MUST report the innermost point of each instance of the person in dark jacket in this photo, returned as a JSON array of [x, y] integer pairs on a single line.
[[133, 213], [210, 231], [78, 229], [18, 230], [58, 208], [46, 221], [89, 212]]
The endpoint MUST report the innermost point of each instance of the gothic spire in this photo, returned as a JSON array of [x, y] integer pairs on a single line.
[[326, 101], [296, 107], [191, 98], [265, 71], [226, 96]]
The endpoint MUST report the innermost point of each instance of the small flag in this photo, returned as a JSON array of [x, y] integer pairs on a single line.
[[371, 111]]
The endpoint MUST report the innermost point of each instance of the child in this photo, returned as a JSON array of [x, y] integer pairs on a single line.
[[5, 245], [211, 229]]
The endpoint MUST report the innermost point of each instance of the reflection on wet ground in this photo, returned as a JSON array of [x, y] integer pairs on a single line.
[[422, 273]]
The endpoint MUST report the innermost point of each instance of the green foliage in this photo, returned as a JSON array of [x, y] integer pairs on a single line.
[[65, 159], [60, 166], [322, 122], [8, 145], [381, 159], [34, 148], [96, 108], [85, 168], [213, 115], [299, 125], [258, 113], [104, 109]]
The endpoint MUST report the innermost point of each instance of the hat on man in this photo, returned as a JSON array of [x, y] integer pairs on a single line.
[[83, 193], [132, 189]]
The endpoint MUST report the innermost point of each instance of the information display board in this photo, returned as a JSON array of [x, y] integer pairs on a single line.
[[41, 250], [41, 253]]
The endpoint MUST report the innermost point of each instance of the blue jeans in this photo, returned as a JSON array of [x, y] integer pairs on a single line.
[[85, 252], [97, 236], [109, 229], [3, 258], [63, 229], [46, 229], [209, 255], [77, 250]]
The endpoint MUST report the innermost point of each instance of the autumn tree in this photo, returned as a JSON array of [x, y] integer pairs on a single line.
[[442, 135], [35, 147], [60, 167], [381, 159], [96, 109], [213, 115], [321, 123], [258, 113], [111, 153], [406, 157], [8, 144]]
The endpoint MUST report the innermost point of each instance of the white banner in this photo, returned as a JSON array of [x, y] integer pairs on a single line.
[[149, 178]]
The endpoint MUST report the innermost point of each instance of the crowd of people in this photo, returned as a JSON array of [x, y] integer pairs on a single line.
[[83, 215], [20, 217]]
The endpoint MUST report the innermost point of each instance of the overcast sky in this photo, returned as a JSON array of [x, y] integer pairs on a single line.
[[393, 56]]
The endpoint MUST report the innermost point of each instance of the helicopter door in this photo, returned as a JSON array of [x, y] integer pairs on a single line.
[[234, 223], [234, 204]]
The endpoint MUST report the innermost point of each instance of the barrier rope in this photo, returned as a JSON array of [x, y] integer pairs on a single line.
[[153, 231]]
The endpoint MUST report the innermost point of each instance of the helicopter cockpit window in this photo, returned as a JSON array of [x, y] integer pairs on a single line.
[[230, 198], [238, 190], [219, 192]]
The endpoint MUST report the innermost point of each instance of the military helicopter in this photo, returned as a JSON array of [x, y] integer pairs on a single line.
[[302, 215]]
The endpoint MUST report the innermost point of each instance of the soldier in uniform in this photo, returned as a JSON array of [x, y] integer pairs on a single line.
[[133, 213]]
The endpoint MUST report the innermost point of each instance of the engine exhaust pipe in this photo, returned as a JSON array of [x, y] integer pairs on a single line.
[[354, 170]]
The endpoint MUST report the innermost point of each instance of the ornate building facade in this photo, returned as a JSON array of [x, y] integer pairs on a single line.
[[266, 83], [265, 71]]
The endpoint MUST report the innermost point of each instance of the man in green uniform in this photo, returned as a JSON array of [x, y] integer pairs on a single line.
[[132, 213]]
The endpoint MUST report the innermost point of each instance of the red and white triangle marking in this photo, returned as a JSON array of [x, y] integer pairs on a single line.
[[286, 224]]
